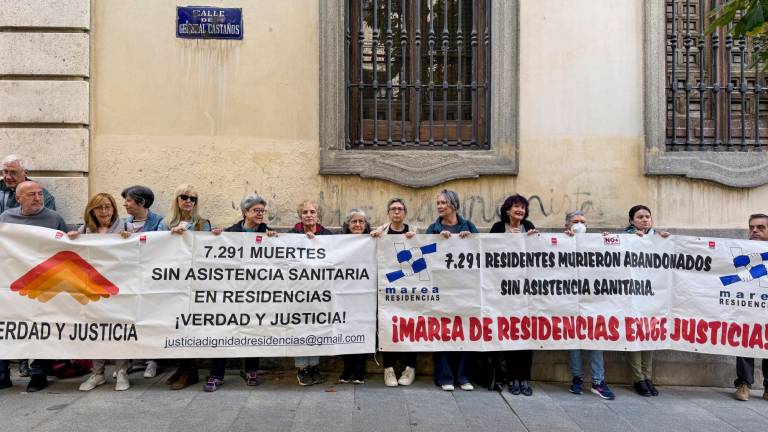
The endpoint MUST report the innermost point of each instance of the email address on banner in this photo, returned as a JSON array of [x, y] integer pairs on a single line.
[[247, 341]]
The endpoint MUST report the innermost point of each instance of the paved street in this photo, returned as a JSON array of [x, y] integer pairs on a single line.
[[280, 405]]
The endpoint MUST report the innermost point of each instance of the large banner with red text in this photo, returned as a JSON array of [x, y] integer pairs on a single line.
[[551, 291], [162, 295]]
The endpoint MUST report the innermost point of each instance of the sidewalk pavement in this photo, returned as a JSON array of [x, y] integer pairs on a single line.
[[279, 404]]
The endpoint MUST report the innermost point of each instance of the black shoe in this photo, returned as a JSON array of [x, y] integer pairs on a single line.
[[5, 382], [651, 387], [496, 386], [317, 376], [345, 377], [642, 389], [525, 388], [37, 383], [514, 387], [304, 377]]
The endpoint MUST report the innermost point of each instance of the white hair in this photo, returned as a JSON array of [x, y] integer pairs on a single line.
[[13, 159]]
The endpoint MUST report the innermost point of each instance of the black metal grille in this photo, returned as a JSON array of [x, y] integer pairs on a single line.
[[715, 84], [417, 74]]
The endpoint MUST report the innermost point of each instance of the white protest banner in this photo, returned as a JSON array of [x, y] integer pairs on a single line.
[[158, 295], [550, 291]]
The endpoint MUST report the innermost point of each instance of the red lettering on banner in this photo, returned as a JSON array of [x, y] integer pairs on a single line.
[[557, 332], [645, 328], [421, 329], [434, 328], [481, 329], [503, 328], [515, 324], [458, 328]]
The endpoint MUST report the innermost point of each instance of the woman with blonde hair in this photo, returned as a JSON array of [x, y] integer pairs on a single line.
[[184, 216], [100, 217], [184, 212]]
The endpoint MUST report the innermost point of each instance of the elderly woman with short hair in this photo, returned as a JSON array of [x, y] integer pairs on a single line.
[[308, 368], [356, 222], [100, 217], [450, 366], [253, 208], [184, 216], [396, 213]]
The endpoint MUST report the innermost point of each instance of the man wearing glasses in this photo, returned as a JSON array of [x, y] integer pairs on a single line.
[[15, 172]]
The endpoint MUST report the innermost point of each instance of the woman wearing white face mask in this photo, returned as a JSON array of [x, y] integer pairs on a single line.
[[576, 223]]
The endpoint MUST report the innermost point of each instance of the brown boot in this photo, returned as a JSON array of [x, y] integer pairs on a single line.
[[765, 394], [187, 378], [742, 392], [175, 376]]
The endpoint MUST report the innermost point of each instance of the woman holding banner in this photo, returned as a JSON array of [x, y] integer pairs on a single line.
[[308, 368], [396, 212], [101, 218], [514, 220], [253, 208], [641, 362], [354, 364], [450, 366], [184, 217]]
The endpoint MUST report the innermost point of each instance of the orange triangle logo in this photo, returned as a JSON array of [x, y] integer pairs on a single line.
[[67, 272]]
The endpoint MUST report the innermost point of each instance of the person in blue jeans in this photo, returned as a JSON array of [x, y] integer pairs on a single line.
[[576, 223], [450, 367]]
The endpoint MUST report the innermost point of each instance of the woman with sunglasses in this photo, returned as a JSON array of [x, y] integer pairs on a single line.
[[101, 218], [253, 208], [184, 216]]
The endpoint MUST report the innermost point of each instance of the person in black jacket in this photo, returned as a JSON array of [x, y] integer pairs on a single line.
[[253, 208], [514, 219], [308, 367]]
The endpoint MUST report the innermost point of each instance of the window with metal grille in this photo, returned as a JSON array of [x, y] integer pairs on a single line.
[[715, 84], [417, 74]]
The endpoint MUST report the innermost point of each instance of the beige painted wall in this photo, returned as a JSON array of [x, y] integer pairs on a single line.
[[234, 117]]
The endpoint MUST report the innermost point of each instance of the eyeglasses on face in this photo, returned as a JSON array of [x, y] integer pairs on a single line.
[[104, 207], [185, 197], [396, 209], [258, 210]]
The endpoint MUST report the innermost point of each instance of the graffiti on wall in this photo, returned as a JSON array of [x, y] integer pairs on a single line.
[[480, 209]]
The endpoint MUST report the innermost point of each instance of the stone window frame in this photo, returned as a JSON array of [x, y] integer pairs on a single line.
[[730, 168], [421, 167]]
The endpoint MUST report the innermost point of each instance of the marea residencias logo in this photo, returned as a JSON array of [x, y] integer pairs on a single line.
[[412, 265], [411, 261], [64, 272], [752, 267]]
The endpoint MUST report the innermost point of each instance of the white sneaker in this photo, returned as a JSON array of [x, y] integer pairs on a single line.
[[409, 374], [390, 380], [151, 370], [447, 387], [92, 382], [467, 387], [122, 381]]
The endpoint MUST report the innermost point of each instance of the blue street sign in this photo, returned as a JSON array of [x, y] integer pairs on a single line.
[[205, 22]]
